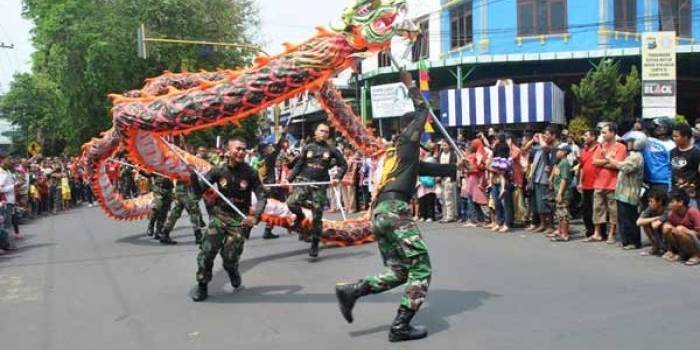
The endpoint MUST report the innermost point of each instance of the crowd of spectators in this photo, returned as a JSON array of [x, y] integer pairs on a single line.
[[37, 186], [622, 184]]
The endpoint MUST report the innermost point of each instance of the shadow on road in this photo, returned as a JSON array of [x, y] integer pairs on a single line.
[[220, 277], [140, 239], [442, 303], [9, 255]]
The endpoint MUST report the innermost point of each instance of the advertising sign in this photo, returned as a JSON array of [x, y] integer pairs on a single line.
[[659, 74], [390, 100]]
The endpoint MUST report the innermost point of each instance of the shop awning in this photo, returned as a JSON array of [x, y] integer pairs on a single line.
[[497, 105]]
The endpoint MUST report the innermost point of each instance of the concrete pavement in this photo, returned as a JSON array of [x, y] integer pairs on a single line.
[[83, 281]]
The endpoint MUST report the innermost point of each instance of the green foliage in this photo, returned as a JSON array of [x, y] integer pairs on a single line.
[[680, 119], [605, 95], [86, 49], [35, 105], [578, 126]]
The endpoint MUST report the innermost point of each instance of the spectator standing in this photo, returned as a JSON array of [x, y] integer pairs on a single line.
[[562, 176], [348, 183], [604, 203], [544, 158], [7, 191], [426, 195], [587, 176], [685, 163], [627, 190], [657, 157], [518, 180], [502, 168], [476, 165]]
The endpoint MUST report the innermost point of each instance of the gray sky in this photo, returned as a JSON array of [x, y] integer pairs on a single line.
[[13, 30], [282, 20]]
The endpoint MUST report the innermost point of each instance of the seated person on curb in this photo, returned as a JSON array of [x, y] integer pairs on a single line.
[[651, 220], [681, 230]]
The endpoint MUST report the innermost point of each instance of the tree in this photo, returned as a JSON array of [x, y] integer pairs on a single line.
[[87, 49], [35, 105], [603, 94]]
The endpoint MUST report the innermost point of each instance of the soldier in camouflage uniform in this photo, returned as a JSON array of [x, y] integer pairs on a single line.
[[162, 189], [236, 181], [127, 185], [400, 243], [313, 164], [186, 199]]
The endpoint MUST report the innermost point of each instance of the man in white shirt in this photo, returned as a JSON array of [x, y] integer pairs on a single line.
[[7, 192]]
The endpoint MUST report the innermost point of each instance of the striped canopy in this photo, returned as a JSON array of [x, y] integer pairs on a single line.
[[511, 104]]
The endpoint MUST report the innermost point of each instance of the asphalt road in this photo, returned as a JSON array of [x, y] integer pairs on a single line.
[[82, 281]]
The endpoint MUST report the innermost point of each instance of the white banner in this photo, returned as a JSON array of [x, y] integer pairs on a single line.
[[659, 74], [390, 100]]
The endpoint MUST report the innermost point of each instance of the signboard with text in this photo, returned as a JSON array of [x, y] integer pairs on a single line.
[[390, 100], [659, 74]]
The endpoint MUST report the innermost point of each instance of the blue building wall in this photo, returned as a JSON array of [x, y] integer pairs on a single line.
[[495, 28]]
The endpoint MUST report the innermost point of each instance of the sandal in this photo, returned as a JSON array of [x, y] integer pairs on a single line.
[[693, 261], [650, 252], [672, 258], [592, 239], [559, 238]]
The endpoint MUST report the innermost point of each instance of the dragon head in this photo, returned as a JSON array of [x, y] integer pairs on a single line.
[[376, 22]]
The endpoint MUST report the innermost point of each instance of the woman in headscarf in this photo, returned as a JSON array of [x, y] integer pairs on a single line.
[[476, 166]]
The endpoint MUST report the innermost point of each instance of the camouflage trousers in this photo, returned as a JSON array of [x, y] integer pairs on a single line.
[[161, 207], [312, 197], [224, 237], [404, 253], [187, 201]]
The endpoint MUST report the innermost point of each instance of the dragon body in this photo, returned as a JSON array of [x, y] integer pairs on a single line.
[[175, 104]]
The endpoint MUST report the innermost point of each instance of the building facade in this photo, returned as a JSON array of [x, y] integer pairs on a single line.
[[471, 43]]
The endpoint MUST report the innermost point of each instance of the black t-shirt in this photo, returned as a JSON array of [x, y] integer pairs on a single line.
[[685, 166]]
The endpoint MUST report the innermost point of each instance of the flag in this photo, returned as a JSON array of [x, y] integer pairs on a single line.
[[424, 82]]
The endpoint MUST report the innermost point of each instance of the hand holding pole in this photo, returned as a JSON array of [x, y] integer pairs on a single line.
[[204, 179]]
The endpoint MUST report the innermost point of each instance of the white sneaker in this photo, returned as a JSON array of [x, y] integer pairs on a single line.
[[429, 220]]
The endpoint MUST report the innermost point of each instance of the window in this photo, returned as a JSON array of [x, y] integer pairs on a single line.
[[383, 59], [675, 15], [461, 25], [626, 15], [537, 17], [421, 50]]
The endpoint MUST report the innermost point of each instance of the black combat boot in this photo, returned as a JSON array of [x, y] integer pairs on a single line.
[[165, 238], [313, 251], [235, 278], [268, 234], [149, 231], [198, 237], [401, 328], [347, 294], [201, 293]]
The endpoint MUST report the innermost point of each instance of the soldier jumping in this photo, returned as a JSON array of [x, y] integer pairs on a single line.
[[400, 243]]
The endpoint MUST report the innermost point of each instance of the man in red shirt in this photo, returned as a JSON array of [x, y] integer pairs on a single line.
[[681, 230], [587, 176], [604, 203]]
